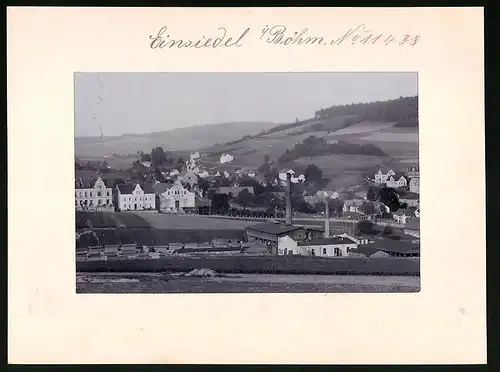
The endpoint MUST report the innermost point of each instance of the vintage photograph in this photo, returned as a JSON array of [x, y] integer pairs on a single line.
[[204, 182]]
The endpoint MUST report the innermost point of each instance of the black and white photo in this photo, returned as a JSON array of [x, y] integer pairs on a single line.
[[247, 182]]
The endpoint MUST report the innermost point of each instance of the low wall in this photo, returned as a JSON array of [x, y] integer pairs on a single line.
[[263, 265]]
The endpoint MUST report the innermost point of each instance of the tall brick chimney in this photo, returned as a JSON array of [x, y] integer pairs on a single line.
[[288, 199], [327, 220]]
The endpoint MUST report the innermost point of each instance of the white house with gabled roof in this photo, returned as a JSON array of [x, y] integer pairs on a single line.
[[93, 195], [133, 197]]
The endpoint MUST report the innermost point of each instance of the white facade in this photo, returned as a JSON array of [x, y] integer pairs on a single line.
[[176, 198], [415, 185], [352, 206], [333, 247], [174, 172], [147, 164], [133, 198], [194, 156], [226, 174], [395, 183], [226, 158], [97, 197], [381, 177]]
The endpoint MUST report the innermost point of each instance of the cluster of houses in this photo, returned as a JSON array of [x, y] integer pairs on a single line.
[[409, 178], [285, 240], [180, 192]]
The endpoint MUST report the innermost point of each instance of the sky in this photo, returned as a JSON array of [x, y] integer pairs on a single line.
[[121, 103]]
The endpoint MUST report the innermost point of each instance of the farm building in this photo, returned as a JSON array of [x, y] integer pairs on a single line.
[[268, 233], [410, 199], [338, 246], [387, 248]]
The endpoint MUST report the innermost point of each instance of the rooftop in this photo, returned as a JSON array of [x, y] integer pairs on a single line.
[[328, 241], [394, 246], [273, 228]]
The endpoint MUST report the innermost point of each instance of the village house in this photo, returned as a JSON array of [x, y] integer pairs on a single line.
[[415, 185], [410, 199], [146, 164], [226, 158], [402, 215], [338, 246], [268, 233], [194, 156], [189, 178], [174, 172], [93, 195], [412, 228], [383, 175], [132, 197], [353, 206], [204, 174], [396, 181], [412, 172], [176, 199]]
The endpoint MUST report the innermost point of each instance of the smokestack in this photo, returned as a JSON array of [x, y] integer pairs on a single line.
[[288, 199], [327, 220]]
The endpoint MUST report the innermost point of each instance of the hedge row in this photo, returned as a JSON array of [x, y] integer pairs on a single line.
[[263, 265]]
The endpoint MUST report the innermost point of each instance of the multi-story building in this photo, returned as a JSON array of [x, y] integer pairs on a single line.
[[93, 195], [383, 175], [134, 197], [415, 185], [176, 199]]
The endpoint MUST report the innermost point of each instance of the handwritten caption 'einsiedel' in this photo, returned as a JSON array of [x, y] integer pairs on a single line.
[[281, 35]]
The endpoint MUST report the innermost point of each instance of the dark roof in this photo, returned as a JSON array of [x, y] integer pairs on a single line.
[[409, 195], [407, 212], [273, 228], [148, 188], [366, 249], [413, 224], [395, 246], [328, 241], [126, 188], [160, 188], [82, 182]]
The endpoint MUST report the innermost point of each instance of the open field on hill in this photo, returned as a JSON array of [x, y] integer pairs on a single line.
[[245, 283], [344, 170]]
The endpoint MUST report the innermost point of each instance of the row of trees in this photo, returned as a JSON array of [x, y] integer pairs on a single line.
[[403, 110], [400, 109], [317, 146], [159, 158]]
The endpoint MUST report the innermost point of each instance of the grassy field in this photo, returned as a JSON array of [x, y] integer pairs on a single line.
[[158, 236], [262, 265], [244, 284], [192, 222], [344, 170]]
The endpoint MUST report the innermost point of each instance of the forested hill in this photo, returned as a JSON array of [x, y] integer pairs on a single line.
[[401, 110]]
